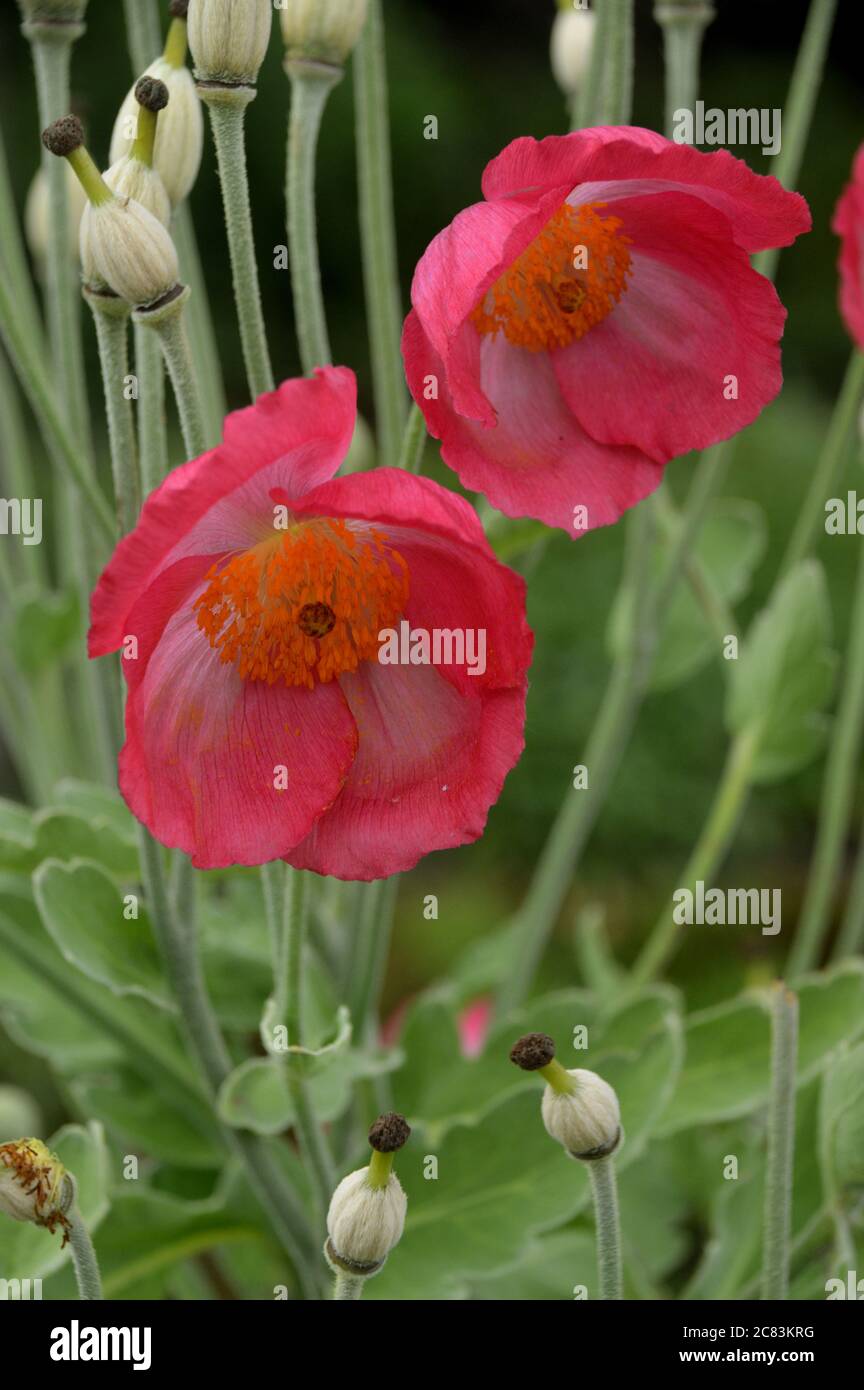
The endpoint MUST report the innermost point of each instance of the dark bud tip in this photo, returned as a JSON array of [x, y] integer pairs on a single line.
[[64, 136], [151, 93], [389, 1133], [178, 9], [532, 1052]]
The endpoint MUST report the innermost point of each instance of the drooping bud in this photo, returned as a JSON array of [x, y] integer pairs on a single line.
[[229, 39], [579, 1108], [570, 49], [34, 1185], [322, 31], [367, 1211], [133, 174], [123, 245], [180, 130], [37, 217]]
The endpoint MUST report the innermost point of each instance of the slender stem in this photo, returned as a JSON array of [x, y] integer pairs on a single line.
[[585, 108], [202, 336], [378, 236], [371, 946], [414, 439], [112, 335], [604, 1189], [152, 440], [14, 259], [800, 105], [710, 850], [823, 481], [781, 1145], [35, 382], [683, 26], [347, 1286], [228, 123], [617, 100], [86, 1265], [838, 796], [143, 32], [17, 465], [184, 380], [311, 85]]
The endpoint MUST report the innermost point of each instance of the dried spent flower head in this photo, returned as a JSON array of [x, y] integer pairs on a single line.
[[532, 1052], [229, 39], [150, 93], [365, 1222], [389, 1133], [322, 31], [585, 1119], [34, 1185], [179, 133], [63, 136]]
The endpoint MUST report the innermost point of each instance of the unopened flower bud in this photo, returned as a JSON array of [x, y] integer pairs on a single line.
[[367, 1211], [180, 130], [37, 216], [571, 46], [322, 31], [34, 1185], [133, 175], [579, 1108], [229, 39], [123, 245]]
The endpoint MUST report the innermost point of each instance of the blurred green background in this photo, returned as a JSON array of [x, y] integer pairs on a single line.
[[481, 66]]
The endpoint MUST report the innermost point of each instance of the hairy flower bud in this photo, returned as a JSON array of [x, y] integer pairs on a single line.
[[587, 1121], [129, 249], [34, 1185], [322, 31], [37, 216], [180, 131], [571, 46], [133, 175], [229, 38]]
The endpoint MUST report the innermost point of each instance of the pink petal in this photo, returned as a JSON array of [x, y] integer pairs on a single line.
[[654, 372], [292, 438], [430, 762], [538, 460], [760, 211], [849, 224]]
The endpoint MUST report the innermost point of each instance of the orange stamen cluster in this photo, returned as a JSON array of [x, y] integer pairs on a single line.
[[567, 281], [305, 606]]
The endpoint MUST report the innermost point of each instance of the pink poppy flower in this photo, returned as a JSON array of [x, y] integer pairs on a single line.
[[596, 317], [849, 224], [248, 602]]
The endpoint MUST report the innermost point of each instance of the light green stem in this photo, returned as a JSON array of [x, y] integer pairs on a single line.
[[347, 1286], [112, 336], [709, 852], [370, 949], [781, 1145], [414, 439], [14, 259], [152, 440], [838, 796], [228, 123], [143, 32], [33, 375], [683, 26], [585, 107], [604, 1189], [617, 98], [201, 333], [311, 85], [17, 466], [378, 236], [84, 1260], [184, 380], [823, 481]]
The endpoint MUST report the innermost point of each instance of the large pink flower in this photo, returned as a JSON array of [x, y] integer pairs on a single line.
[[849, 224], [596, 317], [248, 602]]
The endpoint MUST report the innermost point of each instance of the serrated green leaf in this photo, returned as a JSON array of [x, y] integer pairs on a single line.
[[784, 676]]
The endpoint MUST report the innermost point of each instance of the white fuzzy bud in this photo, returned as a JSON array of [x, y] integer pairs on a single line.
[[130, 178], [572, 42], [125, 247], [179, 134], [588, 1120], [37, 216], [364, 1222], [324, 31], [229, 39]]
